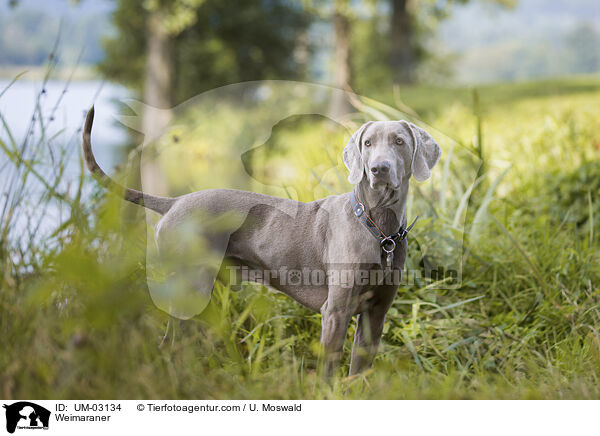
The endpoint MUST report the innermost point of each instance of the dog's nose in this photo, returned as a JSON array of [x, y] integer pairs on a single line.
[[380, 168]]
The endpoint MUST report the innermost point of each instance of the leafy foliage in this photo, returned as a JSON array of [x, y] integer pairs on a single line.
[[221, 44]]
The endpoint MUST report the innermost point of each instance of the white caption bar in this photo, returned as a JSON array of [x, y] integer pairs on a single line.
[[263, 417]]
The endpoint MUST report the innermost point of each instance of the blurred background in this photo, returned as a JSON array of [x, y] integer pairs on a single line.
[[450, 42], [509, 88], [165, 52]]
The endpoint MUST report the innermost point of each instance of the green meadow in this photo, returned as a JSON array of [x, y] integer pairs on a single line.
[[515, 203]]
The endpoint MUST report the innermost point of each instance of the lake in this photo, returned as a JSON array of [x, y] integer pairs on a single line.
[[17, 106], [73, 100]]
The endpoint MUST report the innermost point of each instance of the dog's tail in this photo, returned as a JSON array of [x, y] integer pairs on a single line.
[[157, 204]]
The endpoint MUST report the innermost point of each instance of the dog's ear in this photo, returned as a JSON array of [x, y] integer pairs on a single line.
[[352, 155], [426, 153]]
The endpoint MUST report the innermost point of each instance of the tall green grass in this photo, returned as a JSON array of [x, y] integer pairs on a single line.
[[76, 320]]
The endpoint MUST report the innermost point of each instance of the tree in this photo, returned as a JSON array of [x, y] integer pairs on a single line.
[[214, 42], [405, 52], [342, 70], [158, 88], [209, 43]]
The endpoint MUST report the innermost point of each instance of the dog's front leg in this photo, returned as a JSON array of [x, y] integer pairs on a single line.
[[336, 314], [334, 325]]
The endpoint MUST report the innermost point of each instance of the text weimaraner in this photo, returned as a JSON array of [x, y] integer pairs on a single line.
[[362, 231]]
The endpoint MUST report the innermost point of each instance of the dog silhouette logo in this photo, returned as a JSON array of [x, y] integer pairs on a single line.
[[26, 415]]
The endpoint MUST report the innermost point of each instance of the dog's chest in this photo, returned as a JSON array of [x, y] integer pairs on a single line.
[[386, 220]]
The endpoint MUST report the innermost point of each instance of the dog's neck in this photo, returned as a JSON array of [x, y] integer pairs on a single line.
[[387, 207]]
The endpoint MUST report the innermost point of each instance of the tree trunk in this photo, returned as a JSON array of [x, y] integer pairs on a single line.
[[403, 48], [342, 73], [158, 94]]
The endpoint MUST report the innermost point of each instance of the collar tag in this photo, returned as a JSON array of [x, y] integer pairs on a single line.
[[388, 244]]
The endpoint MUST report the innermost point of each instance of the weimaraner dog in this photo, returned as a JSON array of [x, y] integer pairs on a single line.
[[361, 232]]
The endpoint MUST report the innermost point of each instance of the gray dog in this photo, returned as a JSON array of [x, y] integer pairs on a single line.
[[362, 232]]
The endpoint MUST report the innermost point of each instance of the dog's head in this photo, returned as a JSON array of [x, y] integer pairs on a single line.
[[388, 152]]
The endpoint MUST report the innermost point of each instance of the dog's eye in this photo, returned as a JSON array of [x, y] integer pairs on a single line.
[[399, 141], [367, 143]]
